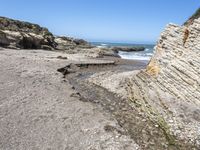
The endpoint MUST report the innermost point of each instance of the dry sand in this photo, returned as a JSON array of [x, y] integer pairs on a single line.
[[38, 111]]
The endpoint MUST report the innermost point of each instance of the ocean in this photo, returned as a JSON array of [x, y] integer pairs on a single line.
[[141, 55]]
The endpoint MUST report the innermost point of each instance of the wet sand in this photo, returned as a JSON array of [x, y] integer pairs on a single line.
[[135, 124]]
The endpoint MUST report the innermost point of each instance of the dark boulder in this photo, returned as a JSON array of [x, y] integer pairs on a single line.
[[3, 40], [127, 49]]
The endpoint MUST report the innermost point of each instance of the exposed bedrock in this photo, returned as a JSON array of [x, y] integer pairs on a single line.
[[24, 35], [67, 43], [168, 90], [127, 49]]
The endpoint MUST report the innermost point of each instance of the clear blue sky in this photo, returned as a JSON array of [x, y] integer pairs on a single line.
[[137, 21]]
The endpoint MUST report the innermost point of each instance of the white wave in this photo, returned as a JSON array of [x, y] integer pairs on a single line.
[[135, 55], [149, 54], [104, 44], [101, 46]]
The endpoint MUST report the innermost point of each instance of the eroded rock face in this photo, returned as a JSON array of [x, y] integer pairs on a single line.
[[168, 90], [19, 34], [23, 35]]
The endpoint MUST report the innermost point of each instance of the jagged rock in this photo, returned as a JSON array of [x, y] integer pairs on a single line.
[[21, 26], [19, 34], [24, 35]]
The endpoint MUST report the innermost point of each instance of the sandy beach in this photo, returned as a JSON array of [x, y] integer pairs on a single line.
[[39, 109]]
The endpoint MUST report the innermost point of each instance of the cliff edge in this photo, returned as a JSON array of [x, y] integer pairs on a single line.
[[196, 15]]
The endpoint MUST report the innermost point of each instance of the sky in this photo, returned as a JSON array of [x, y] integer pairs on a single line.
[[131, 21]]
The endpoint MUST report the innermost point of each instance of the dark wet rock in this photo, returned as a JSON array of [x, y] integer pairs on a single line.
[[109, 128], [127, 49], [3, 39], [76, 94], [61, 57], [70, 68]]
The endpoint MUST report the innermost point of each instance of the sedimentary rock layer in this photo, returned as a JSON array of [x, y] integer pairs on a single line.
[[169, 88]]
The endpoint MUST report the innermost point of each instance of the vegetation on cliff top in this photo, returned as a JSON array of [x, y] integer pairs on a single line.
[[196, 15], [22, 26]]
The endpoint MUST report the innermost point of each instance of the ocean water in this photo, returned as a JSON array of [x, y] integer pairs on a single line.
[[141, 55]]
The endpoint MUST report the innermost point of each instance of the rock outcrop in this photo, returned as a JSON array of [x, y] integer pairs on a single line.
[[67, 43], [24, 35], [127, 49], [168, 90]]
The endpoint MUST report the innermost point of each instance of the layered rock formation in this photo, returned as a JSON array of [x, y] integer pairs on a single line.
[[168, 90]]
